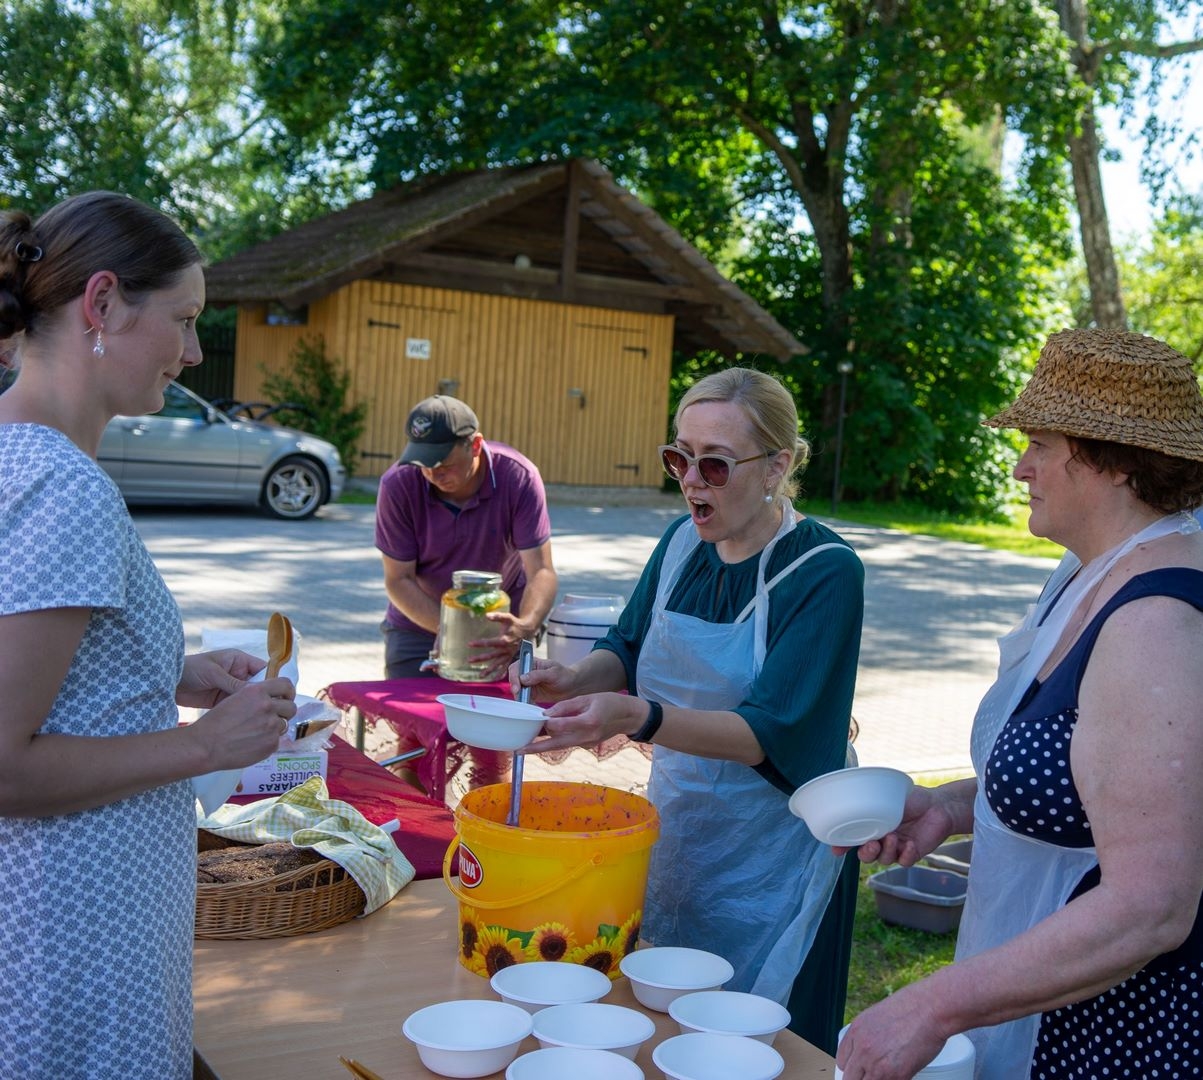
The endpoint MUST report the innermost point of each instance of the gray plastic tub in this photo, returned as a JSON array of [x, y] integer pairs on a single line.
[[920, 897], [952, 855]]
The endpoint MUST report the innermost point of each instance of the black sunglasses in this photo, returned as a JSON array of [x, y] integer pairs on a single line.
[[714, 469]]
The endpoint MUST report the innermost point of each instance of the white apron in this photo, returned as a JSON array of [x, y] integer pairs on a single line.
[[1017, 881], [734, 871]]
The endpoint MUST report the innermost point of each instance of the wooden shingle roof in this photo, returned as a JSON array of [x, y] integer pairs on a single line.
[[562, 231]]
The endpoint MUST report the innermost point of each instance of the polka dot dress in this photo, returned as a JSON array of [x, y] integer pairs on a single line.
[[1151, 1024], [97, 906]]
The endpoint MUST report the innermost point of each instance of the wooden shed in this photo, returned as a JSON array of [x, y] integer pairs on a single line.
[[546, 296]]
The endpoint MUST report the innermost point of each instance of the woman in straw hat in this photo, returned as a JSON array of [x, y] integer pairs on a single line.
[[1080, 951]]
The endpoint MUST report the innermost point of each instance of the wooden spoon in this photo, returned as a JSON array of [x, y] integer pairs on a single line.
[[279, 643]]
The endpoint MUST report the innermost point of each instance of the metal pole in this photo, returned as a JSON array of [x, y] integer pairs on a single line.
[[843, 367]]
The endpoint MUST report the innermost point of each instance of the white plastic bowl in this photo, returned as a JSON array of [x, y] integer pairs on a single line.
[[706, 1056], [849, 807], [569, 1063], [661, 975], [536, 985], [467, 1038], [728, 1012], [491, 723], [594, 1026]]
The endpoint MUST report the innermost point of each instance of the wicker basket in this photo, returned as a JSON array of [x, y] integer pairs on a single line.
[[313, 897]]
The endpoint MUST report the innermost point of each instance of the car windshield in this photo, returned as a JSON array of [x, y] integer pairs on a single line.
[[182, 404]]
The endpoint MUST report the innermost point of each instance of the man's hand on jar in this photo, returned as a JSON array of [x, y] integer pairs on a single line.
[[516, 630]]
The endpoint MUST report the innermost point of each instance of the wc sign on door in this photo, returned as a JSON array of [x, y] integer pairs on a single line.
[[471, 873], [417, 348]]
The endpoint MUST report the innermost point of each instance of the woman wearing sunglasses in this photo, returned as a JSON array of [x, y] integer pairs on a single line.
[[738, 653]]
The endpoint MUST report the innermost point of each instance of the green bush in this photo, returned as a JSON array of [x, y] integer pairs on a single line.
[[319, 385]]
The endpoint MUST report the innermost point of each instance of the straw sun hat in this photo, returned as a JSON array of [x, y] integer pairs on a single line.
[[1115, 386]]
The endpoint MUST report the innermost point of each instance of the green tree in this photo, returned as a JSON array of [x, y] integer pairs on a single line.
[[1165, 278], [841, 119], [1105, 41], [319, 385], [152, 98]]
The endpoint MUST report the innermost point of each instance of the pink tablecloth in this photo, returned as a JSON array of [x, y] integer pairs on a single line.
[[427, 826], [408, 706]]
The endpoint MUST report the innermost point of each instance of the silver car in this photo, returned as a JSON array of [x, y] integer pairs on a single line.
[[192, 452]]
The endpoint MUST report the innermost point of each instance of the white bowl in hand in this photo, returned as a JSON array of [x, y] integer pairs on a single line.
[[850, 807], [491, 723], [662, 974], [467, 1038], [729, 1012]]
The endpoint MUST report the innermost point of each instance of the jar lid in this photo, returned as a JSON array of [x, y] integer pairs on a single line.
[[463, 579]]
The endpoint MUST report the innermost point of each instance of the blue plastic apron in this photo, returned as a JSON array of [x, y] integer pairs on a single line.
[[734, 871]]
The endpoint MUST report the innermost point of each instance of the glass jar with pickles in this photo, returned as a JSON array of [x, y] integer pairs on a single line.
[[473, 595]]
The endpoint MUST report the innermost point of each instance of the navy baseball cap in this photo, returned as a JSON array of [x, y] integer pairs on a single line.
[[434, 426]]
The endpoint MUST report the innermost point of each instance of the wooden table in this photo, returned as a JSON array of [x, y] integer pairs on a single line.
[[289, 1007]]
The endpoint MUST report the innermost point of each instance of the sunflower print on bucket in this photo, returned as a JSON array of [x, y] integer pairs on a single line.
[[470, 927], [602, 953], [495, 949], [628, 933], [550, 941]]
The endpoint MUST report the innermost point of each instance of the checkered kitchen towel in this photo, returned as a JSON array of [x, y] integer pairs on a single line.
[[308, 817]]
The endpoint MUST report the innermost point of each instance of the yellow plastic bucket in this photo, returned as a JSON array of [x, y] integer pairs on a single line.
[[566, 884]]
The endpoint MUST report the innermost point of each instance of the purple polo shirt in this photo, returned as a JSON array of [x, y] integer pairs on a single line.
[[507, 515]]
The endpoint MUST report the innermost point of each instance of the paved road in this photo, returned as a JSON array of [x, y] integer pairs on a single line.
[[933, 608]]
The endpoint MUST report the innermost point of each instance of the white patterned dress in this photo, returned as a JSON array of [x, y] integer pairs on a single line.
[[96, 907]]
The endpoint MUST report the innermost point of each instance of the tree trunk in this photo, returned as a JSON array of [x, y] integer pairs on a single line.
[[1106, 299]]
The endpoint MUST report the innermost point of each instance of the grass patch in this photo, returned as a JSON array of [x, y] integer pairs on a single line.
[[886, 958], [1009, 535], [358, 497]]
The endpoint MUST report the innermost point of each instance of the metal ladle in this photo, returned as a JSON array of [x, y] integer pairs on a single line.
[[526, 658]]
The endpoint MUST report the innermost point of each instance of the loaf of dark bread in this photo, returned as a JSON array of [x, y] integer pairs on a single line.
[[251, 862]]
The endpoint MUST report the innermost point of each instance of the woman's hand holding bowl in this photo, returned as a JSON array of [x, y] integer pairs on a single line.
[[927, 822], [589, 720], [892, 1040]]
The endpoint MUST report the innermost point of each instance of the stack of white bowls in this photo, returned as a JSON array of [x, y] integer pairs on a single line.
[[953, 1062]]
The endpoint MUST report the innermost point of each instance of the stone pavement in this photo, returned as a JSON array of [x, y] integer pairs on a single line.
[[932, 609]]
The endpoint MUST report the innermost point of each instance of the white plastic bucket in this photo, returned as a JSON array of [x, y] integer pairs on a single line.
[[577, 622]]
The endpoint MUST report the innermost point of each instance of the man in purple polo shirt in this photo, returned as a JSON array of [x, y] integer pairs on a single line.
[[456, 502]]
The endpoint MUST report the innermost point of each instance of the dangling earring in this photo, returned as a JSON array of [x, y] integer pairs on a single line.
[[98, 344], [768, 496]]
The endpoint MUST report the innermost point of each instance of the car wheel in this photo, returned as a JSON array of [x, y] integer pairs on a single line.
[[295, 488]]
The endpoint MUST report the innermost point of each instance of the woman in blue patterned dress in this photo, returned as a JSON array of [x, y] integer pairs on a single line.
[[1081, 948], [98, 303]]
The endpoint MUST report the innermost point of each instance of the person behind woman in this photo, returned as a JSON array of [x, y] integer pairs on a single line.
[[739, 648], [97, 817], [1081, 950]]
